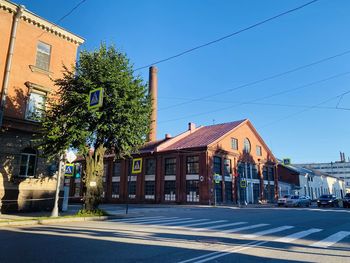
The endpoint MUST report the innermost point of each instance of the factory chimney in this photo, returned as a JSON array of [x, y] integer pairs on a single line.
[[153, 91]]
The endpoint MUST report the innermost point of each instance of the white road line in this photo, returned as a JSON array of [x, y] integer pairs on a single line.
[[266, 232], [331, 240], [298, 235], [219, 226], [135, 218], [200, 224], [155, 220], [160, 222], [185, 221], [234, 230]]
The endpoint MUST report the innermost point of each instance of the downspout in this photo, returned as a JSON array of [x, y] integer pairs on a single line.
[[5, 83]]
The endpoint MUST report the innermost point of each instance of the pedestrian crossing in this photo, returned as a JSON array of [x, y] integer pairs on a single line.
[[225, 227]]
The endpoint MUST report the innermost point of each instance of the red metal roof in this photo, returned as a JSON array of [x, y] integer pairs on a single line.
[[204, 136]]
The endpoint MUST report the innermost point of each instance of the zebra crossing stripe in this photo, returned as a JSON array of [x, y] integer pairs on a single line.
[[219, 226], [135, 219], [185, 221], [269, 231], [331, 240], [146, 221], [164, 220], [298, 235], [204, 223], [234, 230]]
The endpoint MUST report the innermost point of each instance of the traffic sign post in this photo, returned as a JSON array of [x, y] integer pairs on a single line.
[[95, 99], [243, 183], [286, 161], [69, 170], [136, 165]]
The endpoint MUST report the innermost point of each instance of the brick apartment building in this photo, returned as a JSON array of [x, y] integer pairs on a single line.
[[181, 169], [32, 53]]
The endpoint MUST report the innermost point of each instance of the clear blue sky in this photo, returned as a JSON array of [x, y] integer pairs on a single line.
[[150, 30]]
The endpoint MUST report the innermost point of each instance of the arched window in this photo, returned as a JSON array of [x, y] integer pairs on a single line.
[[246, 145], [28, 162]]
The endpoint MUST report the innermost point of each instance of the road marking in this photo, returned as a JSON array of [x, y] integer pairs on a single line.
[[200, 224], [298, 235], [155, 220], [185, 221], [219, 226], [234, 230], [269, 231], [135, 219], [165, 220], [331, 240]]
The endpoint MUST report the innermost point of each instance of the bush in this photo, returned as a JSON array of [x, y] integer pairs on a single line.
[[97, 212]]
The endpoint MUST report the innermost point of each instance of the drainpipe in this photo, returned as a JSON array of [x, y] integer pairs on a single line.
[[5, 83]]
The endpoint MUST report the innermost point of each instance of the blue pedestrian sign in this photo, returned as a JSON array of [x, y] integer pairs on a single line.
[[95, 99], [69, 169]]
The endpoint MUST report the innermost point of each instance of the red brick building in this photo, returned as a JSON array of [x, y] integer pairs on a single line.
[[181, 169], [32, 53]]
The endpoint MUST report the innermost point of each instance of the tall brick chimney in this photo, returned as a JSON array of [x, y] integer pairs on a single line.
[[153, 91]]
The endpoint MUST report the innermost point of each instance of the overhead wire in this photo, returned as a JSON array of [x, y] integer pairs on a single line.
[[228, 36], [262, 98], [255, 82]]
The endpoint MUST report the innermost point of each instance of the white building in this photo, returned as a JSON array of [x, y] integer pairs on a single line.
[[309, 182]]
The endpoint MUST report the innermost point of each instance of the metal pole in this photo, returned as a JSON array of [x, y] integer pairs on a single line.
[[54, 212], [128, 187]]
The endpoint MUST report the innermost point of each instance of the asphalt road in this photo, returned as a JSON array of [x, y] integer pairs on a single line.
[[189, 235]]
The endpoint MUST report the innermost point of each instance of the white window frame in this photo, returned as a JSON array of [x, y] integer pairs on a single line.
[[27, 164]]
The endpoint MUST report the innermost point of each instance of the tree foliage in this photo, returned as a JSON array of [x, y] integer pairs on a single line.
[[120, 126]]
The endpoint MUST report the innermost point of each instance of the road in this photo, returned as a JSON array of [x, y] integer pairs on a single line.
[[189, 235]]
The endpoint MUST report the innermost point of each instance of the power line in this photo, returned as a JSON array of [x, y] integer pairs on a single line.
[[311, 107], [229, 35], [255, 82], [263, 97], [65, 15]]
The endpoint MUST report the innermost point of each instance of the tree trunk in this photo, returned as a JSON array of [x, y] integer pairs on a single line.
[[93, 178]]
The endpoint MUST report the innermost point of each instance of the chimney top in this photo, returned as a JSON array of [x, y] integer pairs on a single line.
[[167, 136], [191, 126], [153, 69]]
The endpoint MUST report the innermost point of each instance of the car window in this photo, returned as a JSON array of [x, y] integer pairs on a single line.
[[285, 196]]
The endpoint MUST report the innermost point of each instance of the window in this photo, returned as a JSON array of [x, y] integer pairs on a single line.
[[246, 145], [234, 144], [192, 165], [116, 169], [170, 166], [132, 189], [150, 166], [35, 105], [169, 190], [149, 189], [115, 189], [28, 162], [217, 165], [227, 167], [43, 53], [192, 190], [258, 150]]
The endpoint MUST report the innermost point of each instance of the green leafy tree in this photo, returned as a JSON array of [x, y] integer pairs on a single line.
[[120, 126]]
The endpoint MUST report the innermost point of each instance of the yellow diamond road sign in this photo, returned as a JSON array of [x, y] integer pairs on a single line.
[[95, 99], [136, 166]]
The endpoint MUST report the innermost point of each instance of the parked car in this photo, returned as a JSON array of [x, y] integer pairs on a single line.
[[346, 201], [328, 200], [298, 201], [305, 200], [282, 201]]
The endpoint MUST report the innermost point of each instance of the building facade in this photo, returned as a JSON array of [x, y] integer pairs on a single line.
[[339, 169], [309, 182], [223, 163], [32, 54]]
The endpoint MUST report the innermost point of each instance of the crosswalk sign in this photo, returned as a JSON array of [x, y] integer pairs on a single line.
[[95, 99], [136, 166], [69, 169], [243, 183]]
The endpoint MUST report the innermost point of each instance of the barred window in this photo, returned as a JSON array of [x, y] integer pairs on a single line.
[[43, 53], [192, 165], [170, 166], [150, 166], [115, 189], [149, 187], [132, 188]]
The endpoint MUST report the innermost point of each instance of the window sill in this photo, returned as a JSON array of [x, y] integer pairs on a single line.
[[39, 70]]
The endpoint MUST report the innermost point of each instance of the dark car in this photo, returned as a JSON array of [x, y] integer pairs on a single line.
[[327, 200], [346, 200]]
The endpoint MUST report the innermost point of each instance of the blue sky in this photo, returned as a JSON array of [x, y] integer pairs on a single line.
[[302, 124]]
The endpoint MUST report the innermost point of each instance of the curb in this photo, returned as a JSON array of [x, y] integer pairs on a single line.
[[59, 220]]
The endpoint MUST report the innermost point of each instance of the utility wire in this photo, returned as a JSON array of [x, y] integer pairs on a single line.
[[263, 97], [312, 107], [229, 35], [255, 82], [65, 15]]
